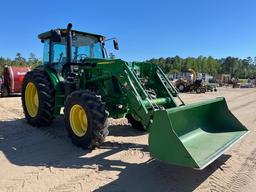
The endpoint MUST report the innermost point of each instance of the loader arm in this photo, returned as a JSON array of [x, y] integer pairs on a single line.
[[191, 135], [141, 103]]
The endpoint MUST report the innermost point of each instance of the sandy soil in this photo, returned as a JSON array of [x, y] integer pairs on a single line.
[[34, 160]]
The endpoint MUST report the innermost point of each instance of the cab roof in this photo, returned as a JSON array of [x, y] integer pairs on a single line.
[[47, 35]]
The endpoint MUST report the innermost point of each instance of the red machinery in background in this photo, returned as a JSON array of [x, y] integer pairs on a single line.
[[12, 80]]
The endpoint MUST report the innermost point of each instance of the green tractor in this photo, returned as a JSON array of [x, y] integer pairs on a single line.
[[77, 75]]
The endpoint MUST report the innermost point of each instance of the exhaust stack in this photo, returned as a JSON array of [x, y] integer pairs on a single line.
[[69, 44]]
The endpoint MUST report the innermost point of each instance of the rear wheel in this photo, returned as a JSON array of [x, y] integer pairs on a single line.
[[134, 123], [86, 119], [38, 98]]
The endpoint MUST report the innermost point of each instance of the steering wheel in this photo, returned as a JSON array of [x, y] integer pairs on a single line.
[[81, 57]]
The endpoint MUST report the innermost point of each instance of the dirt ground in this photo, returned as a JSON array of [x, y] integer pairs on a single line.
[[34, 160]]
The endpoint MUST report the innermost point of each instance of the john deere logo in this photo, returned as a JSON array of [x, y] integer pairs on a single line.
[[106, 62]]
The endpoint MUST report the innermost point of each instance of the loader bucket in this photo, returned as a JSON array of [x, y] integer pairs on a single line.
[[194, 135]]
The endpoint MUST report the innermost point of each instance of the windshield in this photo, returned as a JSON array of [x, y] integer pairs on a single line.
[[82, 47]]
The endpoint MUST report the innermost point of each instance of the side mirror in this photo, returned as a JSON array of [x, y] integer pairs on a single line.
[[55, 36], [116, 44]]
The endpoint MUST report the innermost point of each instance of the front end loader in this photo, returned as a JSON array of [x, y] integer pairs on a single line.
[[78, 76]]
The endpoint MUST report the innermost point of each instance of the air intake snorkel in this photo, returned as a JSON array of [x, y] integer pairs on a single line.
[[69, 46], [70, 78]]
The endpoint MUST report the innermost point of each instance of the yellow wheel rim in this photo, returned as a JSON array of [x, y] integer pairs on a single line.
[[31, 99], [78, 120]]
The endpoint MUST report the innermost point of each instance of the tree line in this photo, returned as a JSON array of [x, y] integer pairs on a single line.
[[237, 67], [19, 60]]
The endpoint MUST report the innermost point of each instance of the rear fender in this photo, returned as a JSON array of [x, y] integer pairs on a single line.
[[53, 77], [59, 94]]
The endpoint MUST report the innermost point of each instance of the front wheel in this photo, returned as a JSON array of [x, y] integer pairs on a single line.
[[86, 119]]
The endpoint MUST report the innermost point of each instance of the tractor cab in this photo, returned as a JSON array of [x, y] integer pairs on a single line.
[[65, 47]]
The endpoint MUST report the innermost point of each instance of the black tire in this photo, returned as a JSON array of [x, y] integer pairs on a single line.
[[97, 124], [134, 123], [198, 90], [46, 98], [203, 90], [4, 91], [181, 87]]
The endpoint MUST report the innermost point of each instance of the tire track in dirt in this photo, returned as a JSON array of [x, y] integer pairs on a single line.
[[216, 185], [79, 182], [242, 176], [75, 183], [18, 182], [240, 167], [239, 96], [218, 181], [242, 105]]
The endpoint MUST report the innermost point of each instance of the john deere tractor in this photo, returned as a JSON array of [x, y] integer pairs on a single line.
[[77, 75]]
